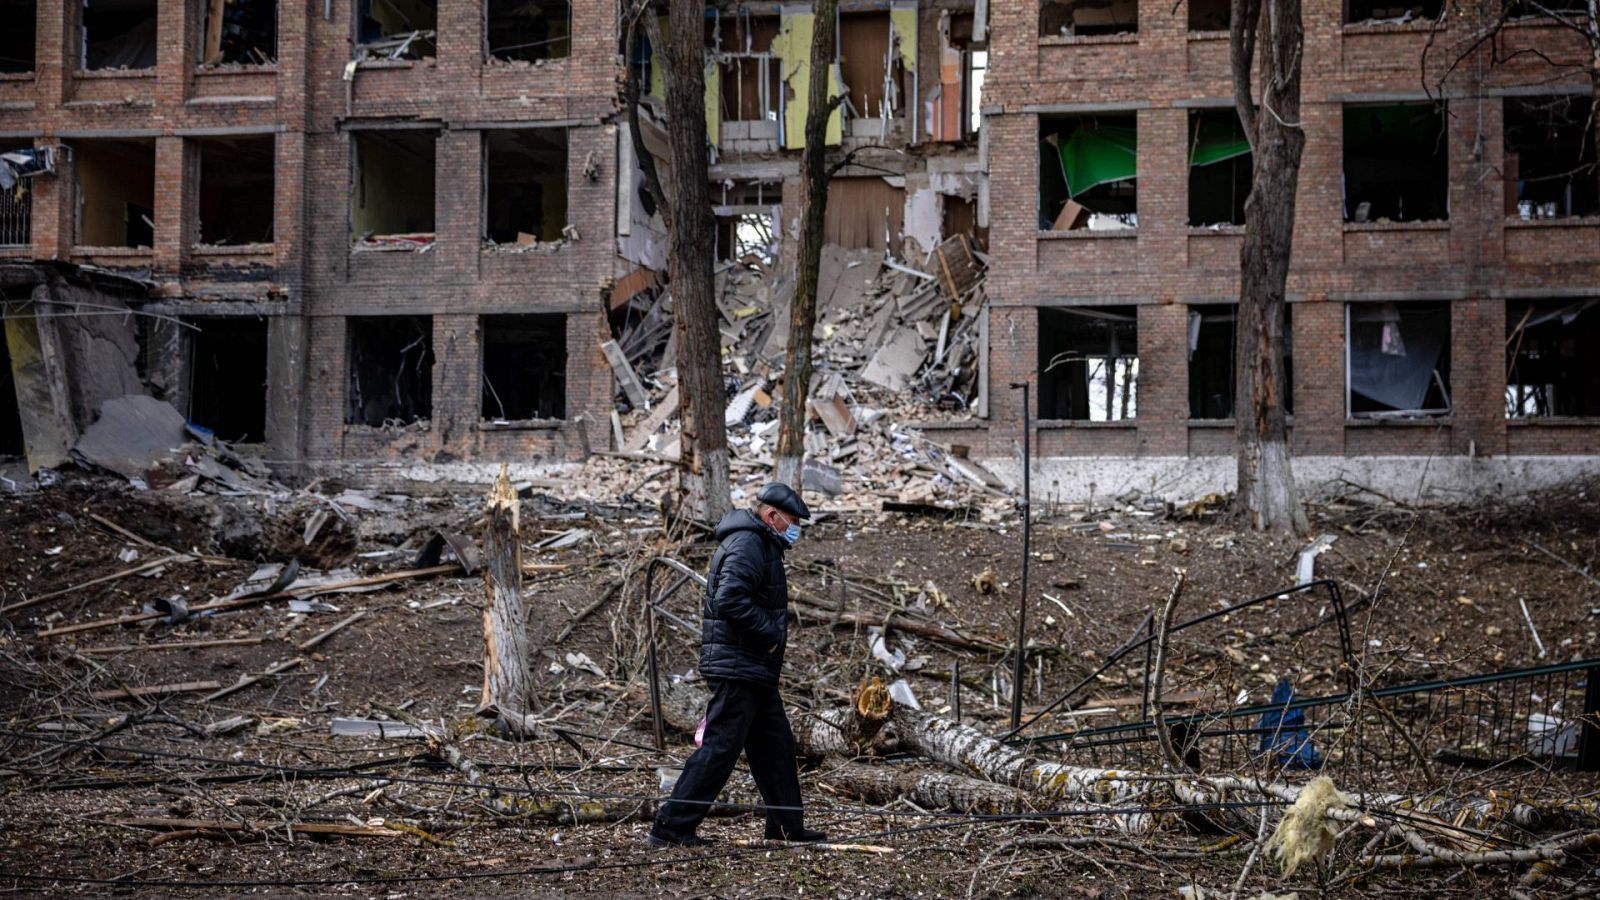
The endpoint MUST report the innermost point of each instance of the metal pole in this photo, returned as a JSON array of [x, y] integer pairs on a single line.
[[1019, 663], [650, 656]]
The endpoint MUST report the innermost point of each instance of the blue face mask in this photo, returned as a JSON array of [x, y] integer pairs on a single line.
[[791, 535]]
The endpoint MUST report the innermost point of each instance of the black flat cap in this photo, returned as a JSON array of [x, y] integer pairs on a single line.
[[783, 497]]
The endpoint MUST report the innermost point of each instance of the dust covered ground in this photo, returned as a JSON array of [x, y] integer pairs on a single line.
[[1430, 594]]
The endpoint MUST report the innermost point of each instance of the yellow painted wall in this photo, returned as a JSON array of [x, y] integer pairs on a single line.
[[793, 46]]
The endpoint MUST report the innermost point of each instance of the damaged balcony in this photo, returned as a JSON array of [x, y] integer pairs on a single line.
[[117, 35], [226, 376], [525, 189], [397, 30], [527, 32], [390, 371], [392, 190], [238, 33], [524, 371], [116, 185], [236, 195], [1397, 360]]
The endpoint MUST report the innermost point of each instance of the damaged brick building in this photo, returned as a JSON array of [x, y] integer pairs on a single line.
[[372, 234]]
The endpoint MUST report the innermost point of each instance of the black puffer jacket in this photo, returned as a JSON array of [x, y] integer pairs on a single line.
[[746, 616]]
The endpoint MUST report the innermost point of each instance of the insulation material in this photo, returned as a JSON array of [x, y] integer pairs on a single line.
[[793, 46], [923, 219], [864, 213], [713, 103]]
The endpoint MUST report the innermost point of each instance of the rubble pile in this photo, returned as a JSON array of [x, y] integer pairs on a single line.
[[894, 346]]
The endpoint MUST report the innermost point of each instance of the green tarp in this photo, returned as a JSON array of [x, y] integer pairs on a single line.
[[1097, 154]]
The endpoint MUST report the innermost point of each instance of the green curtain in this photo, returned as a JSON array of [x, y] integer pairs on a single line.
[[1095, 155], [1215, 141]]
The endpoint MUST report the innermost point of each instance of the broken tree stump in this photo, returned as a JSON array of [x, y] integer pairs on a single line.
[[506, 687], [845, 732]]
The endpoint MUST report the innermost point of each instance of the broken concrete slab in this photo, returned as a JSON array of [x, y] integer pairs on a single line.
[[897, 360], [132, 435]]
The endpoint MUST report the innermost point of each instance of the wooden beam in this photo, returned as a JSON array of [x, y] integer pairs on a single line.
[[155, 690]]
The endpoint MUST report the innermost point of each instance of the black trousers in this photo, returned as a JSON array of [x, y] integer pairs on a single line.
[[747, 716]]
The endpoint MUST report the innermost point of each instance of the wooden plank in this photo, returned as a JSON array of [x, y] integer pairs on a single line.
[[213, 54], [155, 690], [157, 822], [332, 630], [145, 567], [375, 728], [248, 680], [665, 410], [115, 649], [625, 375]]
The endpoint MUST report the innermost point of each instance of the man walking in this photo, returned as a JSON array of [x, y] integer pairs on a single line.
[[745, 627]]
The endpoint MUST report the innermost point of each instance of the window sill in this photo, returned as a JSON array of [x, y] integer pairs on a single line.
[[1558, 222], [225, 69], [115, 73], [540, 247], [1421, 26], [948, 424], [387, 431], [233, 249], [18, 76], [1288, 421], [1424, 225], [521, 424], [1399, 421], [1217, 230], [391, 63], [1084, 234], [129, 252], [1119, 424], [1554, 422], [1078, 40], [1208, 35]]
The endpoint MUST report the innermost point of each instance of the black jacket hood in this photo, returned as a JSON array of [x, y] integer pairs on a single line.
[[745, 520]]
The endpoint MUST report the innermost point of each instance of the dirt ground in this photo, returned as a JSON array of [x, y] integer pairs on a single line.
[[1430, 594]]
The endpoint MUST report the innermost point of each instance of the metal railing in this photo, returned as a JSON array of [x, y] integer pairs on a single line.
[[652, 606]]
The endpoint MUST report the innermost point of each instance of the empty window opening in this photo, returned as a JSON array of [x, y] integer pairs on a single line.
[[236, 190], [1219, 168], [239, 32], [1089, 363], [1552, 358], [1213, 356], [751, 88], [11, 442], [1398, 357], [977, 70], [391, 370], [17, 38], [392, 204], [871, 66], [1065, 18], [228, 377], [116, 193], [1550, 169], [529, 30], [747, 238], [525, 185], [524, 367], [1209, 15], [1395, 166], [117, 34], [1088, 169], [397, 29], [1389, 12]]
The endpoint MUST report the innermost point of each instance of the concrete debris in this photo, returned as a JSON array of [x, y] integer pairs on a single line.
[[131, 436]]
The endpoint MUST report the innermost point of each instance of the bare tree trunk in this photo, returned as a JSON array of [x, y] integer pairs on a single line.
[[814, 201], [1267, 494], [506, 688], [704, 467], [929, 790]]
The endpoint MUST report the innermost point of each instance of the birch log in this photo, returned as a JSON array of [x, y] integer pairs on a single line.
[[929, 790], [506, 687]]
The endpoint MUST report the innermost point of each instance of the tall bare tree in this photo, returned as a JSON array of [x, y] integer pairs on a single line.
[[1267, 495], [814, 177]]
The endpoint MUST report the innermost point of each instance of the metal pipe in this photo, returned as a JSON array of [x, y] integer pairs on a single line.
[[650, 613], [1019, 664]]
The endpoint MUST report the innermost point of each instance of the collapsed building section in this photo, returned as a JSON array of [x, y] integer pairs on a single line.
[[391, 370], [1550, 169], [227, 376], [392, 179], [116, 187], [239, 32], [1088, 170], [1552, 358], [1398, 359], [525, 185], [864, 212], [1395, 165], [236, 190], [524, 367], [1213, 358], [528, 30], [877, 64], [1068, 18], [1219, 168], [397, 29], [17, 38], [117, 34], [750, 91], [1089, 363]]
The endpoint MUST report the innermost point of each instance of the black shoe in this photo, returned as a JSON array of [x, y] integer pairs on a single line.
[[661, 841], [803, 836]]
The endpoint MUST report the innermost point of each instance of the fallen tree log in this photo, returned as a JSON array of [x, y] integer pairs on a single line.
[[930, 790], [840, 732]]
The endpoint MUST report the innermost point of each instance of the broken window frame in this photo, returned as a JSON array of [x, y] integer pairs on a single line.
[[1108, 193], [233, 347], [485, 198], [1202, 315], [973, 77], [408, 45], [748, 200], [1391, 14], [1239, 159], [1115, 399], [555, 324], [220, 56], [1068, 29], [1361, 317], [415, 241], [417, 410], [1580, 171], [144, 225], [24, 40], [84, 42], [1537, 327], [771, 95], [200, 146], [1372, 189], [490, 54]]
